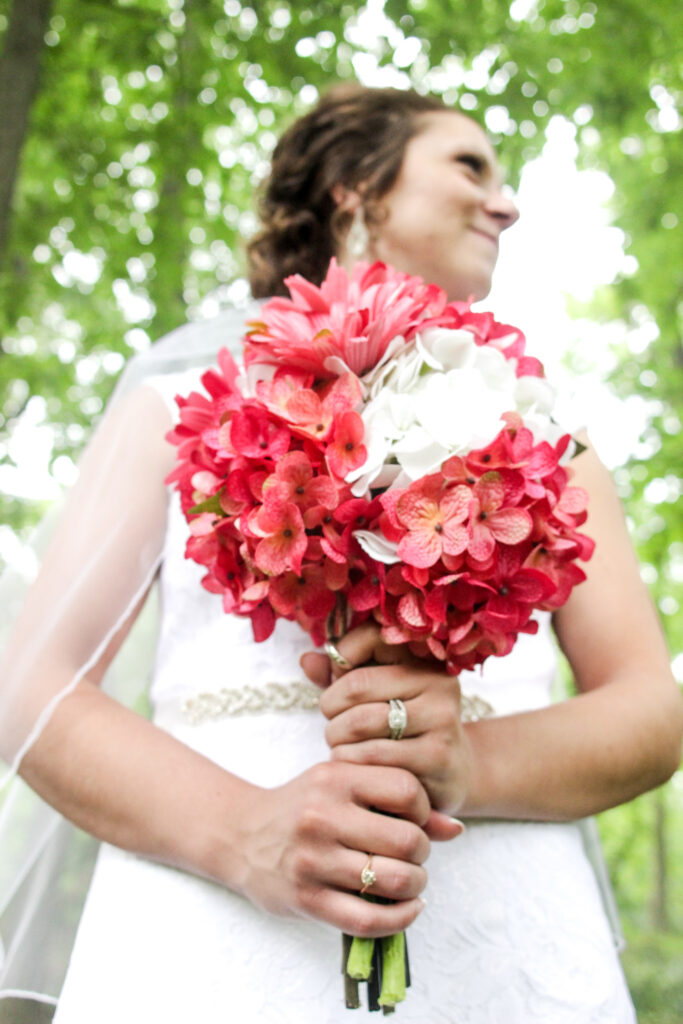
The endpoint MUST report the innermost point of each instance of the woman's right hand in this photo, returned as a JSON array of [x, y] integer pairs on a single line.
[[305, 844]]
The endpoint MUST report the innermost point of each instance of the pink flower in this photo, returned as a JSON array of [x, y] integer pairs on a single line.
[[351, 318], [284, 542], [346, 452], [434, 521], [293, 481], [308, 592], [255, 434], [286, 383], [366, 593], [313, 415], [490, 522]]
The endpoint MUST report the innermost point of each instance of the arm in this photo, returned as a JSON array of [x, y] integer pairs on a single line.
[[622, 734], [296, 850], [619, 737]]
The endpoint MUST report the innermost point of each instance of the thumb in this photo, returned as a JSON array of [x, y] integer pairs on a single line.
[[440, 827], [317, 668]]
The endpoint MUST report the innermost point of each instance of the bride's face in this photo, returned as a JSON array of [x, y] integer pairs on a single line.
[[447, 209]]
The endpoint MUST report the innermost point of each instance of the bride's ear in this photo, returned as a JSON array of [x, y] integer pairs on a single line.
[[348, 200]]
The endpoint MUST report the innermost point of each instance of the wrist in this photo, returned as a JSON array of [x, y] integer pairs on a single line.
[[218, 844], [478, 797]]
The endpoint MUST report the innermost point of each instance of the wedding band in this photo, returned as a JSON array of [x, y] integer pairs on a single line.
[[397, 718], [336, 656], [367, 876]]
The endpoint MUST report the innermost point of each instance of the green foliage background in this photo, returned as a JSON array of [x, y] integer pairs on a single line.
[[152, 126]]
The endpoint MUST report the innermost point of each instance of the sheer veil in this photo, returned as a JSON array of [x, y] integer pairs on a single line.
[[100, 552]]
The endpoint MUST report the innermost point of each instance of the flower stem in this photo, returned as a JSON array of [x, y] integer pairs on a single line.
[[393, 969], [351, 993], [359, 963]]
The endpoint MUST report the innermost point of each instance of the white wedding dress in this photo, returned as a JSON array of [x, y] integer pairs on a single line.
[[514, 931]]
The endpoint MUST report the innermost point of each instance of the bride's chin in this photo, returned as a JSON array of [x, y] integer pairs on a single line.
[[472, 290]]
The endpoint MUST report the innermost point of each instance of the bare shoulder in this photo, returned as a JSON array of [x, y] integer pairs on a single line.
[[609, 619]]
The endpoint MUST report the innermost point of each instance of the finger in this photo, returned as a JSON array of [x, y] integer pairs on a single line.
[[411, 754], [317, 668], [394, 879], [384, 835], [435, 709], [358, 645], [371, 721], [364, 644], [340, 662], [356, 916], [391, 791], [388, 789], [441, 828], [371, 684]]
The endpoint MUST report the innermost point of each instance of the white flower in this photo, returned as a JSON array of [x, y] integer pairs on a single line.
[[534, 394], [462, 409], [377, 546], [442, 394], [251, 375], [445, 349], [371, 381]]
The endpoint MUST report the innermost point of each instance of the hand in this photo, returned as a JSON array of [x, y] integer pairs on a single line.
[[434, 747], [306, 843]]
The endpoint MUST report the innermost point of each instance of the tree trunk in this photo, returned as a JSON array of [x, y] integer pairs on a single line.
[[176, 147], [19, 69]]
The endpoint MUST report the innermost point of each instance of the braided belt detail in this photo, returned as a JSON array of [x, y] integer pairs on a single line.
[[296, 695], [251, 700], [472, 708]]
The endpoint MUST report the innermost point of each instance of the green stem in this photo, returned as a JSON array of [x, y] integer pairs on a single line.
[[359, 964], [393, 969]]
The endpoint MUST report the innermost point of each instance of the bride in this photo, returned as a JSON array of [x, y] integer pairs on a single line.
[[233, 844]]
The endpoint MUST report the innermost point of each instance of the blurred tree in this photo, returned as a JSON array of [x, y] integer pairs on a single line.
[[19, 71]]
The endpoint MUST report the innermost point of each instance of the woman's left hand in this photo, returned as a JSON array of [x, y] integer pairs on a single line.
[[434, 745]]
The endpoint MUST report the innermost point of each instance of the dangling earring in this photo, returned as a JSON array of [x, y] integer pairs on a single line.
[[358, 239]]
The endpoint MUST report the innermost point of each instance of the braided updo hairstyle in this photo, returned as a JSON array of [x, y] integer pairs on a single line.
[[354, 137]]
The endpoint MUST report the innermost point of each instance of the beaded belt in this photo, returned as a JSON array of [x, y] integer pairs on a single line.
[[296, 695]]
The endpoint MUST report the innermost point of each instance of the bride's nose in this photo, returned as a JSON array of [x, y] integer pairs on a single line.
[[501, 205]]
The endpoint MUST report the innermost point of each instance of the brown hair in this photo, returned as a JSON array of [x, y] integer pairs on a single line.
[[355, 137]]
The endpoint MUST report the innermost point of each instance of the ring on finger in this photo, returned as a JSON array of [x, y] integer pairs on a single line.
[[397, 719], [336, 656], [367, 876]]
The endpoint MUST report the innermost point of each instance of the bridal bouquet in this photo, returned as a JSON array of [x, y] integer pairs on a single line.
[[381, 453]]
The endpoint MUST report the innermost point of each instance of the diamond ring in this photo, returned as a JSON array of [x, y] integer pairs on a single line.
[[397, 719], [367, 876]]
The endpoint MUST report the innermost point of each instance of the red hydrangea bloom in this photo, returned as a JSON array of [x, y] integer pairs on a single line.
[[346, 452], [284, 541], [434, 519], [491, 522], [293, 481]]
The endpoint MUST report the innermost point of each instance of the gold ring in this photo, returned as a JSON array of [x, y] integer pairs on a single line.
[[367, 876], [336, 656]]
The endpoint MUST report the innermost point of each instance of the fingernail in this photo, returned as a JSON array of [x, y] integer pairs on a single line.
[[423, 902], [457, 821]]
